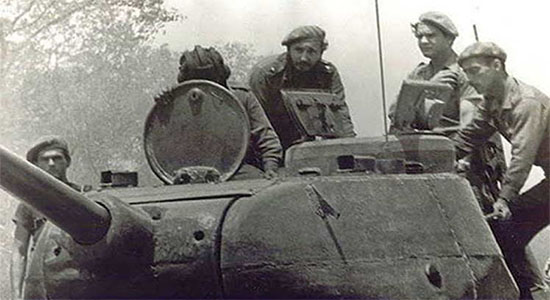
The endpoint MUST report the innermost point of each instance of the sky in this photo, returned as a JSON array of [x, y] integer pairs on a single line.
[[517, 26], [351, 32]]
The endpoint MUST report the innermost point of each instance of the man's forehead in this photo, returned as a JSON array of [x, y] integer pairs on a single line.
[[472, 62], [308, 43], [423, 28], [47, 153]]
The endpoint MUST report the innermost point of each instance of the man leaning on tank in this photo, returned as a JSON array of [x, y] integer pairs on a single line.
[[520, 113], [300, 67], [50, 154]]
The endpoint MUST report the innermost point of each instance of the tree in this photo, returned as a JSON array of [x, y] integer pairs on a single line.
[[240, 57], [82, 69], [57, 54]]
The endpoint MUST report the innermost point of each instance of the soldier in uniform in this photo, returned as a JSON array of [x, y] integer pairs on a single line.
[[521, 113], [51, 154], [264, 152], [435, 33], [300, 67]]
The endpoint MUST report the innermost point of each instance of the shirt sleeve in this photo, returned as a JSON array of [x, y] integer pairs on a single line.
[[475, 133], [338, 89], [258, 85], [527, 132], [263, 136]]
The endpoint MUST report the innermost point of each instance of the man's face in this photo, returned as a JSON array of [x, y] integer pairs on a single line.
[[305, 54], [54, 162], [482, 74], [432, 41]]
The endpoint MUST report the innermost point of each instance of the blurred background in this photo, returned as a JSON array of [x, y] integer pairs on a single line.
[[88, 69]]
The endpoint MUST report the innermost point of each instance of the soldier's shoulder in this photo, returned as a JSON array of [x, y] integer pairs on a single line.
[[241, 90], [238, 86], [327, 67], [421, 67], [273, 64]]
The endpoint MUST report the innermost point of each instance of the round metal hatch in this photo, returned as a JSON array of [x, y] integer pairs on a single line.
[[203, 126]]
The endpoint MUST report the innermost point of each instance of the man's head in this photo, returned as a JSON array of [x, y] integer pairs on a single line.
[[51, 154], [201, 63], [435, 34], [484, 64], [305, 46]]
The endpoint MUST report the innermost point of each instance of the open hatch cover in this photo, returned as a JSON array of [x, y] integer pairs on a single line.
[[204, 126]]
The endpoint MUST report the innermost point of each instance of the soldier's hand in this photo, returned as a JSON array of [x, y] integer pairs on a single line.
[[463, 165], [271, 174], [501, 209], [446, 76], [270, 170]]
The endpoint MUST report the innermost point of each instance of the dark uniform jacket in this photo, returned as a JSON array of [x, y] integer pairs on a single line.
[[264, 147], [273, 74], [524, 120]]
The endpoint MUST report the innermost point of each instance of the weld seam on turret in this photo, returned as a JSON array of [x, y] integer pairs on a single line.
[[432, 190], [218, 246]]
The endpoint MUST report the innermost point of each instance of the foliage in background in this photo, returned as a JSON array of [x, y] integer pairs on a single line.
[[86, 70]]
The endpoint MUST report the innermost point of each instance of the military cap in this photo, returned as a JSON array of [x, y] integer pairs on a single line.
[[485, 49], [304, 33], [201, 62], [48, 143], [439, 20]]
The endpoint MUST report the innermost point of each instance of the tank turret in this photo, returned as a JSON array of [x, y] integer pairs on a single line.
[[363, 218]]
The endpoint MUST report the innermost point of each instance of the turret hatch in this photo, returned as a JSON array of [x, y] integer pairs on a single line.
[[202, 129]]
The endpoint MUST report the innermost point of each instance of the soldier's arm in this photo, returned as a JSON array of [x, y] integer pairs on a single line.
[[528, 129], [19, 260], [475, 133], [258, 85], [263, 136], [338, 89]]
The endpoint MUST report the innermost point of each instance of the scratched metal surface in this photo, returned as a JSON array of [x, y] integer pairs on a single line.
[[387, 236], [435, 152]]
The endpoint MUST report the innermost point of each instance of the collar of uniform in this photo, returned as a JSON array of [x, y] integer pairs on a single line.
[[511, 94], [448, 64]]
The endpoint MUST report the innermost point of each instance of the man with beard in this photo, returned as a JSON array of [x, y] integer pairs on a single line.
[[300, 67]]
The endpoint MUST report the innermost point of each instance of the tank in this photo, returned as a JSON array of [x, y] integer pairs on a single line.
[[370, 218]]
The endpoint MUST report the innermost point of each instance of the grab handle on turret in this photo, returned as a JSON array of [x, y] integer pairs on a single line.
[[83, 219]]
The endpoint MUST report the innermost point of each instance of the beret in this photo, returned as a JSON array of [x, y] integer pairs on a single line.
[[47, 143], [304, 33], [485, 49], [439, 20], [202, 60]]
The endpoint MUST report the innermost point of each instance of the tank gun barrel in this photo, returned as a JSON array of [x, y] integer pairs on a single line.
[[83, 219]]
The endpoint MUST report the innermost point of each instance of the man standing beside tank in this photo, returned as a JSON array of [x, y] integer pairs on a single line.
[[51, 154], [300, 67], [264, 151], [521, 113]]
